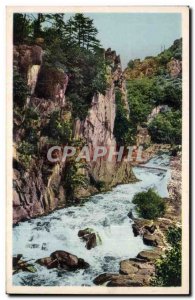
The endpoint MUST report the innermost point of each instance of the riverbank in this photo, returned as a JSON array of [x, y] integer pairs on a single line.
[[140, 271], [107, 215]]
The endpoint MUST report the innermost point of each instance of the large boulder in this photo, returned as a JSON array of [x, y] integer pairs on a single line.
[[91, 238], [149, 255], [104, 278], [126, 281], [127, 267], [63, 260], [114, 280], [133, 272]]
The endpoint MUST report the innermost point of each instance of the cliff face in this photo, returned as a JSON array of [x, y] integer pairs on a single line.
[[39, 185]]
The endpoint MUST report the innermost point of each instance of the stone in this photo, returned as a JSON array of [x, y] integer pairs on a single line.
[[91, 238], [136, 229], [48, 262], [102, 278], [22, 265], [127, 267], [63, 260], [151, 228], [124, 282], [148, 255], [112, 280], [130, 215], [150, 240]]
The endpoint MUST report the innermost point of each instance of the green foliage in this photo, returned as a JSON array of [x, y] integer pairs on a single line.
[[21, 28], [99, 184], [166, 128], [73, 47], [122, 126], [149, 204], [175, 51], [174, 236], [20, 90], [87, 77], [58, 129], [142, 96], [73, 178], [131, 64], [27, 148], [80, 30], [25, 160], [168, 268], [172, 93], [150, 85]]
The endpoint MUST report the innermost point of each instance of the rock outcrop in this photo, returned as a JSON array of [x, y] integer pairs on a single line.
[[39, 185], [133, 272]]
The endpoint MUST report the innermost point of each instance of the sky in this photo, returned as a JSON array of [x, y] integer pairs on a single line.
[[136, 35]]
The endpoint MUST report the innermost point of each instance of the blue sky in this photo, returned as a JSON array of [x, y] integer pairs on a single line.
[[136, 35]]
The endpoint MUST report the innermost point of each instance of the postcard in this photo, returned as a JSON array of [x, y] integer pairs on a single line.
[[98, 150]]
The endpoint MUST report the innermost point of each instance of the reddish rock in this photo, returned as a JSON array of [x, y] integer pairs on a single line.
[[63, 260]]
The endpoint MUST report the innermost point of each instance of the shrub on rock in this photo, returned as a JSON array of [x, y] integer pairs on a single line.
[[149, 204]]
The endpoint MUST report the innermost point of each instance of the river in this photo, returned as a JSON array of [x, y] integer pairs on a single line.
[[106, 213]]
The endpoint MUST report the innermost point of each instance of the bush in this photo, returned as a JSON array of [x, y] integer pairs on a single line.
[[27, 148], [166, 128], [168, 268], [20, 90], [57, 129], [142, 97], [149, 204], [73, 177]]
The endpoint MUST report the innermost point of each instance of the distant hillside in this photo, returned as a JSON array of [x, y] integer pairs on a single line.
[[155, 96], [167, 62]]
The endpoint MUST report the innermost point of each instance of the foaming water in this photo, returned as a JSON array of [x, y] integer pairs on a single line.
[[106, 213]]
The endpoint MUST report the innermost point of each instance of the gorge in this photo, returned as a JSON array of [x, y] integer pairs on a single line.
[[76, 222]]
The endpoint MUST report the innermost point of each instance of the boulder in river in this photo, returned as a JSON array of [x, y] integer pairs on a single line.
[[91, 238], [130, 215], [22, 265], [63, 260]]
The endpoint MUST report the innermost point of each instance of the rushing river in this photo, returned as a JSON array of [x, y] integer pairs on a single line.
[[106, 213]]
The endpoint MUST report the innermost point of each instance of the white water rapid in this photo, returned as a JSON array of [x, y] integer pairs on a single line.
[[106, 213]]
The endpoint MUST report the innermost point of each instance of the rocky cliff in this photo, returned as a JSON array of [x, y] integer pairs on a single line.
[[40, 186]]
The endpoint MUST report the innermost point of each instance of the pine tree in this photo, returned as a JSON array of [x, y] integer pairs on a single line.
[[21, 28], [81, 31]]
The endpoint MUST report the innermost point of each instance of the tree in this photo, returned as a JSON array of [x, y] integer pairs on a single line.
[[166, 128], [21, 28], [81, 31], [131, 64], [123, 129]]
